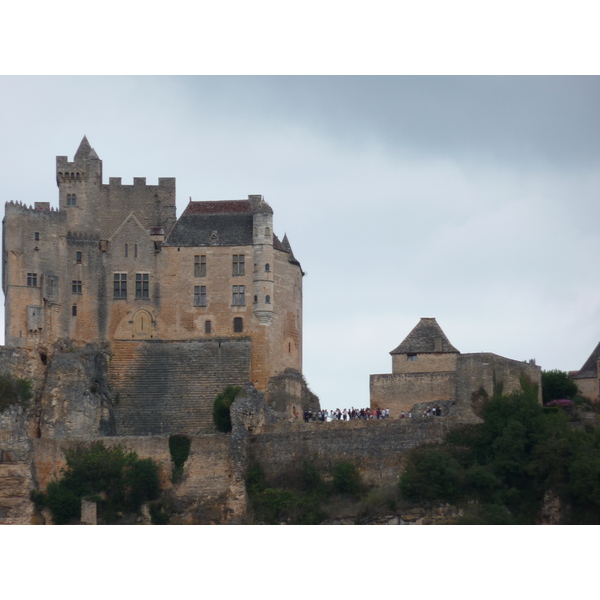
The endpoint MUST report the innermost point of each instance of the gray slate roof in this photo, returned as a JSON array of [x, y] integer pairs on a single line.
[[225, 229], [590, 366], [422, 339]]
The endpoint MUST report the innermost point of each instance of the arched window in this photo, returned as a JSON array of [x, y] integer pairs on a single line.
[[267, 299], [267, 267], [238, 325], [267, 232]]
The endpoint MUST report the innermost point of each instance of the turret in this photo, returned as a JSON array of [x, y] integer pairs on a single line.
[[262, 240], [76, 179]]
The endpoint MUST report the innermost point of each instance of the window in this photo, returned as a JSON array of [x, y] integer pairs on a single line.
[[76, 286], [126, 250], [120, 285], [411, 357], [135, 251], [78, 257], [267, 267], [74, 310], [141, 285], [200, 265], [36, 236], [200, 295], [238, 325], [71, 199], [31, 279], [268, 299], [238, 264], [207, 326], [239, 295]]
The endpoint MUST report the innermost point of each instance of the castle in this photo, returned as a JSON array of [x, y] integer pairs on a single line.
[[427, 371], [184, 306]]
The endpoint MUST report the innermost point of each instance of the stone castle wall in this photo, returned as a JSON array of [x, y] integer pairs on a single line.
[[473, 372], [401, 391]]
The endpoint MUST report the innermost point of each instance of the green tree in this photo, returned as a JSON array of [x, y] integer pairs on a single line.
[[118, 480], [557, 385]]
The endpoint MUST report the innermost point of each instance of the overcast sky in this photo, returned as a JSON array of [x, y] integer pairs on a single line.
[[472, 200]]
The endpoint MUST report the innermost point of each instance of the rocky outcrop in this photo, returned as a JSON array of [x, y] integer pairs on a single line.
[[75, 400], [16, 478]]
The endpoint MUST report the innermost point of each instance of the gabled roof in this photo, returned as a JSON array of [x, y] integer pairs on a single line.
[[423, 339], [589, 368], [129, 218]]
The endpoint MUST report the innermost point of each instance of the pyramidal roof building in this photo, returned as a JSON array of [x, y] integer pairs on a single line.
[[428, 371]]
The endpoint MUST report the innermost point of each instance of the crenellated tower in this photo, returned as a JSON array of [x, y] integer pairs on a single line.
[[79, 183]]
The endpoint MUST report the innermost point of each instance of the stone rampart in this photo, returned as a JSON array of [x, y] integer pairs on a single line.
[[377, 447]]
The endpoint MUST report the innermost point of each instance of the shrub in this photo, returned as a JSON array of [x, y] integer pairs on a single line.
[[432, 474], [179, 448], [222, 406], [346, 479], [14, 391]]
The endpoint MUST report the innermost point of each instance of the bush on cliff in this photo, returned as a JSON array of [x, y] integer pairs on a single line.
[[116, 479], [301, 496], [179, 448], [14, 391], [502, 469], [222, 406]]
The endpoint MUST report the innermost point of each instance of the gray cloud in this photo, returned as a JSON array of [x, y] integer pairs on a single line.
[[469, 199]]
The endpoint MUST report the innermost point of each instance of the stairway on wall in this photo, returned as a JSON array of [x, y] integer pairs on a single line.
[[169, 387]]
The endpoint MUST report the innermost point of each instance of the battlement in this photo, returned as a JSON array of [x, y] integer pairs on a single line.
[[167, 183], [40, 209]]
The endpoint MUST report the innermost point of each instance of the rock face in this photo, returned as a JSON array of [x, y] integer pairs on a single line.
[[76, 401], [16, 477]]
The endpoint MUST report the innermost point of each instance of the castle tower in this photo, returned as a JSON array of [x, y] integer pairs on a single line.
[[78, 183], [262, 245]]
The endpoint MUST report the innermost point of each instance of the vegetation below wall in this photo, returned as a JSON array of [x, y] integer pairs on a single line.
[[502, 470], [304, 496], [117, 480]]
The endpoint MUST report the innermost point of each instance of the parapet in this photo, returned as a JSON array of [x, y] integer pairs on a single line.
[[140, 182]]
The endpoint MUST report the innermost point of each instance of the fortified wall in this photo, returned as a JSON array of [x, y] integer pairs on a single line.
[[212, 488], [427, 371]]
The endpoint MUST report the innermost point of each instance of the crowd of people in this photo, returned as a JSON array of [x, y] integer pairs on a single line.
[[351, 414], [366, 414]]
